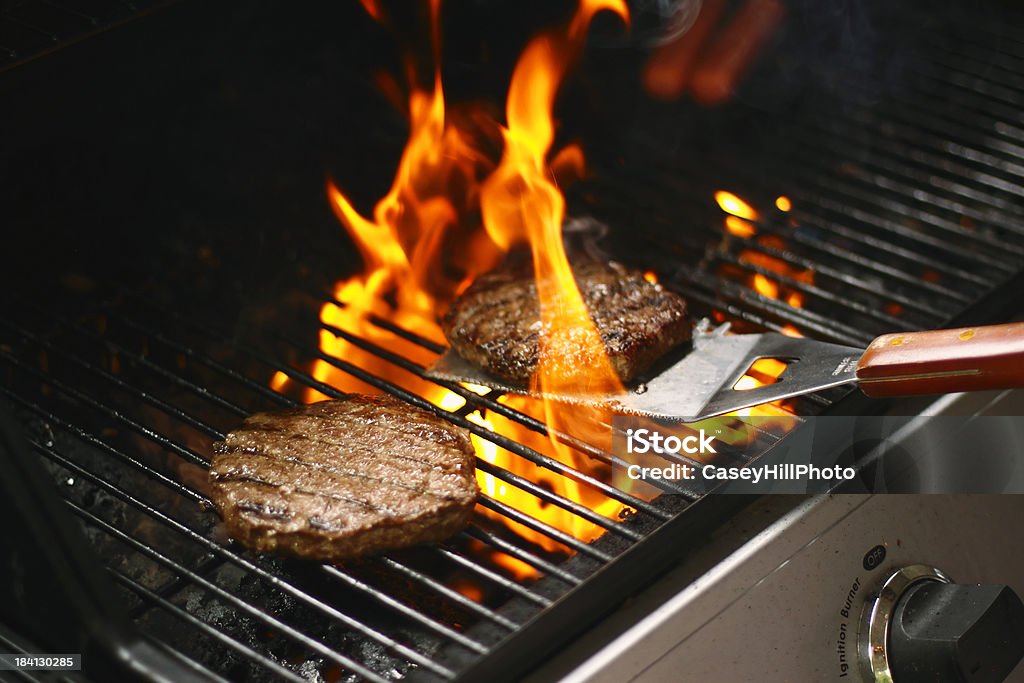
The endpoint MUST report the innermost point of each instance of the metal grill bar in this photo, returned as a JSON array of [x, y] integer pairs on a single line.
[[216, 434], [803, 237], [497, 618], [904, 175], [800, 316], [550, 532], [200, 625], [821, 248], [925, 132], [405, 610], [503, 441], [139, 358], [474, 400], [261, 389], [118, 382], [479, 402], [914, 148], [875, 176], [498, 439], [168, 408], [523, 555], [93, 441], [493, 577], [697, 291], [888, 179], [176, 584], [239, 561], [867, 218], [1000, 99], [395, 390], [408, 335], [184, 452], [803, 154], [827, 175], [820, 270], [199, 497], [508, 477], [222, 594], [991, 121], [885, 270], [813, 290], [1007, 73], [989, 135], [450, 594]]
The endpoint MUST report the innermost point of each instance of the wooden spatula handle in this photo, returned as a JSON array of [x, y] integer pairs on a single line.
[[944, 361]]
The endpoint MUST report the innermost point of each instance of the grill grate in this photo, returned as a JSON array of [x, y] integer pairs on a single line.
[[907, 211], [121, 361], [905, 207]]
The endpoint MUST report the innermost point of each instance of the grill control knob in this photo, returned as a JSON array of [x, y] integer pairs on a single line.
[[952, 632], [923, 628]]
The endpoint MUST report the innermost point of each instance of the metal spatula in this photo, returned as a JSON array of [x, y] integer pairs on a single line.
[[702, 384]]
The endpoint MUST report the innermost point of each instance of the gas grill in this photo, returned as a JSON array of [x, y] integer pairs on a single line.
[[123, 360]]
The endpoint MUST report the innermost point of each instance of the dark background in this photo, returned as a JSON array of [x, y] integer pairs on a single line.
[[198, 139]]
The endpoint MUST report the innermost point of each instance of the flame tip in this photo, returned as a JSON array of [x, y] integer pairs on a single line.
[[735, 205]]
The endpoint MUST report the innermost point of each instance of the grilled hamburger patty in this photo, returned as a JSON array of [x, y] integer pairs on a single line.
[[496, 324], [343, 478]]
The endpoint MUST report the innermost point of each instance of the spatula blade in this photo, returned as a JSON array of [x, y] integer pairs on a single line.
[[451, 367], [663, 389], [811, 366], [701, 384]]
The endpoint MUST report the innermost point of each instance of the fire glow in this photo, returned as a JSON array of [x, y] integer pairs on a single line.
[[452, 213], [741, 220]]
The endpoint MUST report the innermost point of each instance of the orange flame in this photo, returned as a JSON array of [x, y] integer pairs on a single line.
[[423, 246], [417, 238], [739, 221], [735, 205], [520, 202], [373, 9]]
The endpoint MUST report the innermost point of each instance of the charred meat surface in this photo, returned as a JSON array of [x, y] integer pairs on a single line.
[[496, 323], [344, 478]]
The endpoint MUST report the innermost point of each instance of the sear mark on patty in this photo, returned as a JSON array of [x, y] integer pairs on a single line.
[[496, 324], [343, 478]]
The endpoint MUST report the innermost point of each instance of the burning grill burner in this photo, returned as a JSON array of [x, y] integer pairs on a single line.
[[903, 213]]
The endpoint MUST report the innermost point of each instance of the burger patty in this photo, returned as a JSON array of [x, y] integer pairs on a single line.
[[496, 322], [343, 478]]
